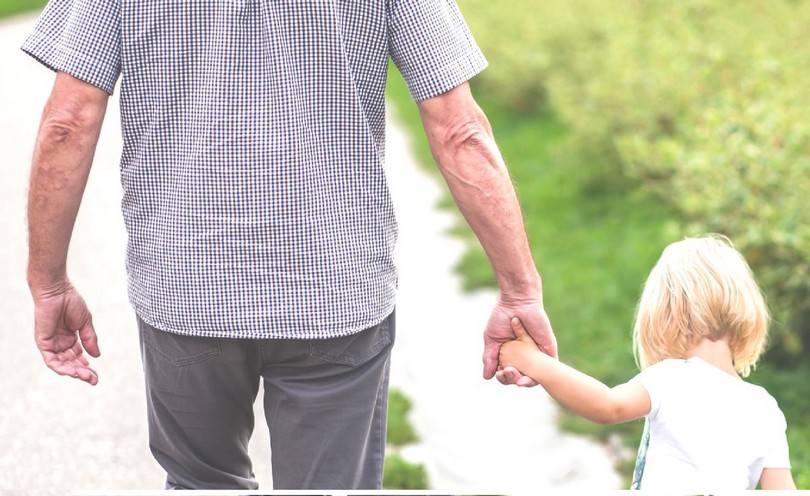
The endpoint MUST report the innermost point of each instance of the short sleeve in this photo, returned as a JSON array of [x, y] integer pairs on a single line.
[[654, 379], [81, 38], [431, 45], [778, 453]]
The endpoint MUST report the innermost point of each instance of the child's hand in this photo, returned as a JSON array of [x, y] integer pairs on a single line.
[[516, 354]]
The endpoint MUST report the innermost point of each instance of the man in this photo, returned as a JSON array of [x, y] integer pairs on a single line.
[[260, 225]]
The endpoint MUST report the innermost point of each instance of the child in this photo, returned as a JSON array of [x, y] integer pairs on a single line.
[[701, 323]]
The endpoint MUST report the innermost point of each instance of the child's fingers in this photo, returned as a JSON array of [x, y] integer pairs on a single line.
[[525, 381], [518, 329], [511, 375]]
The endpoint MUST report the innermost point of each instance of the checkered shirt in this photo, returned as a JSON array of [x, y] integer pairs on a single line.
[[254, 194]]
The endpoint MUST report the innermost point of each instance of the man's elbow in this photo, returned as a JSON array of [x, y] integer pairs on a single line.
[[70, 124], [74, 112], [468, 134], [64, 124], [466, 147]]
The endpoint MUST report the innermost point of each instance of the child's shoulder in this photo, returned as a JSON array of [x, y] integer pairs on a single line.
[[666, 367], [660, 376], [696, 374]]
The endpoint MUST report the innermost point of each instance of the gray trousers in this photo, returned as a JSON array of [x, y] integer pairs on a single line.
[[325, 402]]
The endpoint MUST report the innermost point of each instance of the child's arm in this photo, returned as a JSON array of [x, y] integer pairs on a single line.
[[580, 393], [776, 478]]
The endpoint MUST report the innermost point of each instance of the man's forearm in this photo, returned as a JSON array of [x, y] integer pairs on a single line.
[[484, 194], [63, 154], [472, 165]]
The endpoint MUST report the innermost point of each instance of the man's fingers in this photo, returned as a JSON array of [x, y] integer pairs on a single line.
[[512, 375], [491, 350], [81, 372], [546, 341], [72, 363], [525, 381], [87, 375], [89, 340], [490, 366]]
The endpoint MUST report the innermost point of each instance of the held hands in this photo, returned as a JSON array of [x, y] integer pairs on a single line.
[[500, 330], [517, 354], [63, 330]]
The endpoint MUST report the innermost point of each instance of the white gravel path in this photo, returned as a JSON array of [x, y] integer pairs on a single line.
[[57, 434]]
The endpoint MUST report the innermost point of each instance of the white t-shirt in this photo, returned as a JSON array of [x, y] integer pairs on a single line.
[[709, 430]]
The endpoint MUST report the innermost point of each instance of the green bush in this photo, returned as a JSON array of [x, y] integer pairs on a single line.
[[400, 474], [400, 431], [515, 74], [703, 102], [700, 101]]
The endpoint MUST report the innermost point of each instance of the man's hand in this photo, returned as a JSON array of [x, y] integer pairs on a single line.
[[63, 154], [63, 330], [499, 330]]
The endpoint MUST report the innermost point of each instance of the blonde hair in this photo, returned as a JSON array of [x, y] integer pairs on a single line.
[[701, 287]]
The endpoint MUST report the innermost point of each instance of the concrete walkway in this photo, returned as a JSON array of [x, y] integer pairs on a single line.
[[58, 434]]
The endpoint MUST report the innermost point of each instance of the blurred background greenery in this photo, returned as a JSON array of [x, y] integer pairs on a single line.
[[10, 7], [628, 125]]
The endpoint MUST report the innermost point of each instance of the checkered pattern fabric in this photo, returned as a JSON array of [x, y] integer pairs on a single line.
[[254, 194]]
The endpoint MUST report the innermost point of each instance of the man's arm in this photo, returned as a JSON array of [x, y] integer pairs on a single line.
[[579, 392], [63, 154], [462, 143]]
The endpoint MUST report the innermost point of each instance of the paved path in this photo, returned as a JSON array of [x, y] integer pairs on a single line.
[[57, 433]]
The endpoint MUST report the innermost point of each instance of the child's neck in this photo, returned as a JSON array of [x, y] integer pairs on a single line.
[[716, 353]]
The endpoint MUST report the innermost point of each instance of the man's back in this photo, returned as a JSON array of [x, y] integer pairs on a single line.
[[254, 191]]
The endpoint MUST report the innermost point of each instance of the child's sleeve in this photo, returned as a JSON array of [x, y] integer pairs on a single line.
[[778, 453], [654, 379]]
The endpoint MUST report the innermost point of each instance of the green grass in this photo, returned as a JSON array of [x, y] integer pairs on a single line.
[[11, 7]]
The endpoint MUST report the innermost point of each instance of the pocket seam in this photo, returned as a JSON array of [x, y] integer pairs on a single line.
[[182, 361], [352, 359]]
